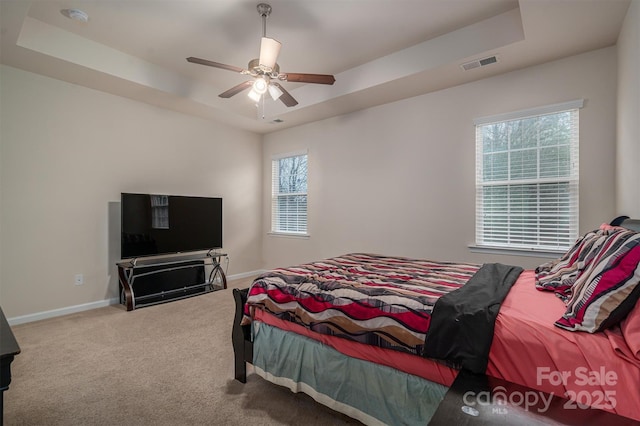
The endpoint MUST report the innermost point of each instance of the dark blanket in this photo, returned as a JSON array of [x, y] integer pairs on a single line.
[[462, 321]]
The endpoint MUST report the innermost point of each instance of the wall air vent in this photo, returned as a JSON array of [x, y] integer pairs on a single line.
[[479, 63]]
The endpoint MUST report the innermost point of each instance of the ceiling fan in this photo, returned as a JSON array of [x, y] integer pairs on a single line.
[[265, 70]]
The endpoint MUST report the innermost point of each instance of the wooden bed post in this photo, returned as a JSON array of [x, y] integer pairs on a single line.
[[241, 337]]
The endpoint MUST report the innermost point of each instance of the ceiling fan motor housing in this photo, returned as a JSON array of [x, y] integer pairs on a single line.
[[255, 67]]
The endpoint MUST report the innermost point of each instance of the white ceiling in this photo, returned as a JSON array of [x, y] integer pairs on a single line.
[[379, 50]]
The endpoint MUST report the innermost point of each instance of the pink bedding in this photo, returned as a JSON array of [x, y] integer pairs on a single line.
[[528, 349]]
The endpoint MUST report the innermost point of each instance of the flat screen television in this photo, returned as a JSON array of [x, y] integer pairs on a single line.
[[155, 224]]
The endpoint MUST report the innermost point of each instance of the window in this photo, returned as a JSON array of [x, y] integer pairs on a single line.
[[527, 179], [289, 194], [160, 211]]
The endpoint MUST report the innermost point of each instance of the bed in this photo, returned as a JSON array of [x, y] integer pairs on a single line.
[[381, 338]]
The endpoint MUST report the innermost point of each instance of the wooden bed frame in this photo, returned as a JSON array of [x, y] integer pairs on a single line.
[[241, 337]]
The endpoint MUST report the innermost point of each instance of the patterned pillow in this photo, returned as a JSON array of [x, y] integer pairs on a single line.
[[560, 275], [608, 287]]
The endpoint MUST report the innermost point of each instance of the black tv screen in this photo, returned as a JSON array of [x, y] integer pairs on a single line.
[[159, 224]]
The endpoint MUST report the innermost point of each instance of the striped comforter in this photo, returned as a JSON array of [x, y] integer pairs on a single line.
[[377, 300]]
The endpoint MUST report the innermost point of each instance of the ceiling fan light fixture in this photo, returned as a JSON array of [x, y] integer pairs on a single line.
[[260, 85], [255, 96], [269, 50], [275, 92]]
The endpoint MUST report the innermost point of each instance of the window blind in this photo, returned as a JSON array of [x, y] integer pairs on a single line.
[[527, 179], [289, 194]]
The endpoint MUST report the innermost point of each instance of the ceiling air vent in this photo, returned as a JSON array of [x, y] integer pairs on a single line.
[[479, 63]]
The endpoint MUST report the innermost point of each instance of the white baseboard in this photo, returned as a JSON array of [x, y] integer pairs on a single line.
[[245, 274], [62, 311], [94, 305]]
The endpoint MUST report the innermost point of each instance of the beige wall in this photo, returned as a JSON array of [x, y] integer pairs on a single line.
[[400, 178], [628, 146], [67, 152], [380, 180]]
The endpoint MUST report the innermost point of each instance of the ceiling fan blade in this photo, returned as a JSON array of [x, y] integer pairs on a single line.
[[214, 64], [286, 97], [308, 78], [236, 89], [269, 50]]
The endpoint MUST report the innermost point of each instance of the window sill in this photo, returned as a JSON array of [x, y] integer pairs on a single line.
[[548, 254], [289, 235]]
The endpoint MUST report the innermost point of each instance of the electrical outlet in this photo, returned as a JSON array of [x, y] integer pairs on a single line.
[[79, 279]]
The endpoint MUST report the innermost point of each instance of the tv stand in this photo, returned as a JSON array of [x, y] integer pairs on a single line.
[[156, 276]]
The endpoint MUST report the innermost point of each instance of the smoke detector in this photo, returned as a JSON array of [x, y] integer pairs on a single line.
[[75, 14]]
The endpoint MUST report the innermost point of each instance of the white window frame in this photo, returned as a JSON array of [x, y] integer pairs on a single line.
[[483, 241], [275, 195]]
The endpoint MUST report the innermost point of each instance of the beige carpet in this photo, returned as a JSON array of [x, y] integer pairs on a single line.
[[169, 364]]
